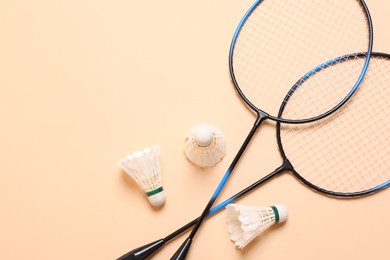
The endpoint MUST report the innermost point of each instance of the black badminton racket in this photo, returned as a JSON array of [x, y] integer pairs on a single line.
[[274, 45], [344, 155]]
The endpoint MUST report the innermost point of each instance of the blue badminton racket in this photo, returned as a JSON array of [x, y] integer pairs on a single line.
[[276, 43], [344, 155]]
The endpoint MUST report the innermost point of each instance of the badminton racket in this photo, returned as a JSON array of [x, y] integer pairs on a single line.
[[344, 155], [274, 45]]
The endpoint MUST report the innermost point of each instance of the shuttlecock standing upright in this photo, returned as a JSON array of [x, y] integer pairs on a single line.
[[247, 222], [145, 168], [205, 145]]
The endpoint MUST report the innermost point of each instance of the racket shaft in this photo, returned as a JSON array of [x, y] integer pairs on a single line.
[[149, 249]]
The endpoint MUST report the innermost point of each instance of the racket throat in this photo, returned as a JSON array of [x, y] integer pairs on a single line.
[[286, 166], [261, 116]]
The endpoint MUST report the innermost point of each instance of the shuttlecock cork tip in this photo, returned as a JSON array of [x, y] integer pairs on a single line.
[[157, 199], [281, 211], [203, 136]]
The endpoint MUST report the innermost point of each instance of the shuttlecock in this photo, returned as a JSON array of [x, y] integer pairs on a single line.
[[144, 167], [245, 223], [205, 145]]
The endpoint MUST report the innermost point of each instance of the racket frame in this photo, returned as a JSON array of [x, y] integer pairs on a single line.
[[289, 166], [323, 65]]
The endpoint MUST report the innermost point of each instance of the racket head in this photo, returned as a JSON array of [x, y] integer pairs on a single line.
[[347, 153], [276, 42]]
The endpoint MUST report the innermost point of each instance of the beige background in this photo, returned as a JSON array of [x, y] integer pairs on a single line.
[[84, 83]]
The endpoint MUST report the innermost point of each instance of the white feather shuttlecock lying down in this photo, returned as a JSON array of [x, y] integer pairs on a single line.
[[205, 145], [247, 222], [145, 168]]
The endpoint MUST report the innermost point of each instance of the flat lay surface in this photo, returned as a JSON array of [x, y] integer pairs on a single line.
[[83, 84]]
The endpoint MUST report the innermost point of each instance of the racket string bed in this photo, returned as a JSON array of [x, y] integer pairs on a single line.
[[358, 133], [325, 88], [306, 35]]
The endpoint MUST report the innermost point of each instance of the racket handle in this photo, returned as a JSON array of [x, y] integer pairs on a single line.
[[181, 253], [142, 252], [145, 251]]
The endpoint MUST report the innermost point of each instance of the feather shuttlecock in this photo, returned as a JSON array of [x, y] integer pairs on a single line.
[[205, 145], [245, 223], [145, 168]]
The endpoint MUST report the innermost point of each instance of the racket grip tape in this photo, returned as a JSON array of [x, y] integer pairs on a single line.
[[144, 251], [181, 253]]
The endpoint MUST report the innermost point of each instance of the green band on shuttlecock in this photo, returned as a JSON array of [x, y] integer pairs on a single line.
[[276, 214], [150, 193]]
